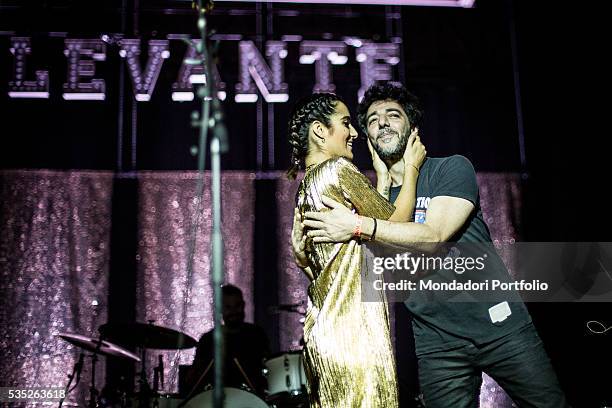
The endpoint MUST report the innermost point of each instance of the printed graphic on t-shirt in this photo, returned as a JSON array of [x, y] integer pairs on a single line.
[[421, 209], [422, 202], [419, 216]]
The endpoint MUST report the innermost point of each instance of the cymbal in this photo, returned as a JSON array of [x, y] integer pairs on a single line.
[[147, 335], [105, 347]]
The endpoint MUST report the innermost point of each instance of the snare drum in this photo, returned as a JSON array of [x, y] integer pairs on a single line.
[[234, 398], [286, 377]]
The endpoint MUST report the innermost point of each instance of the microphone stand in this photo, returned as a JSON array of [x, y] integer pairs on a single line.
[[218, 145]]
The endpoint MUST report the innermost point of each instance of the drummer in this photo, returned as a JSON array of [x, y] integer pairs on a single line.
[[245, 342]]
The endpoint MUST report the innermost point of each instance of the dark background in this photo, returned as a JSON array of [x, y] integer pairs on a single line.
[[458, 61]]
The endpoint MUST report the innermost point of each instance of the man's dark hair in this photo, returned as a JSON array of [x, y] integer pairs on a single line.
[[390, 91], [229, 290]]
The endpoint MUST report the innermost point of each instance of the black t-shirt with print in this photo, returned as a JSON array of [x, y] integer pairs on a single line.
[[443, 320]]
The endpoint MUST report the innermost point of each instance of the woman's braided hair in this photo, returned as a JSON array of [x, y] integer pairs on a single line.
[[318, 106]]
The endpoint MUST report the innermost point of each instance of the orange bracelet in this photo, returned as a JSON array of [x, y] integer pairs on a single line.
[[357, 229]]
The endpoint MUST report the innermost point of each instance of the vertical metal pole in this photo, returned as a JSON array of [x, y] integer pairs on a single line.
[[260, 109], [399, 33], [121, 108], [271, 153], [517, 88], [133, 144], [214, 120], [217, 262]]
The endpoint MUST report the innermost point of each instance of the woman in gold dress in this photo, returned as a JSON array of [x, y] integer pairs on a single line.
[[348, 355]]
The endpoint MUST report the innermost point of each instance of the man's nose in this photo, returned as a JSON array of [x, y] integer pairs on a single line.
[[382, 121]]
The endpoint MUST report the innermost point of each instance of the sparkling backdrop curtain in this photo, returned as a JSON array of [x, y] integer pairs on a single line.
[[166, 215], [54, 257], [500, 198], [293, 284]]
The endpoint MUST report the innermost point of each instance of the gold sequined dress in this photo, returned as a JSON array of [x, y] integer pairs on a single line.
[[348, 355]]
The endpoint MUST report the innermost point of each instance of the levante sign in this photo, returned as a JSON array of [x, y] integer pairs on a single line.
[[258, 75]]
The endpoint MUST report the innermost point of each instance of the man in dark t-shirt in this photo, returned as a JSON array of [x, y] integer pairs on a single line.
[[455, 341], [437, 324]]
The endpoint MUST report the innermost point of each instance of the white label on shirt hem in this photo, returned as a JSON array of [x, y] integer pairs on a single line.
[[500, 312]]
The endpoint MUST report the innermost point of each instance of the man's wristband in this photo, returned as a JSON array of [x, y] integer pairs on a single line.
[[415, 167], [373, 235]]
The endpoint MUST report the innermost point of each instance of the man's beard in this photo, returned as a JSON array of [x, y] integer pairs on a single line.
[[391, 154]]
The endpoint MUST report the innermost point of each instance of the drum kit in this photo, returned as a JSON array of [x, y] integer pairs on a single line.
[[286, 381]]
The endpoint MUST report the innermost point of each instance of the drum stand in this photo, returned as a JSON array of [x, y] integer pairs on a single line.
[[97, 346], [93, 392], [158, 377], [144, 390], [76, 372]]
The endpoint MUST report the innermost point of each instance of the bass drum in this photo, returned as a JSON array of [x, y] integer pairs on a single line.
[[234, 398]]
